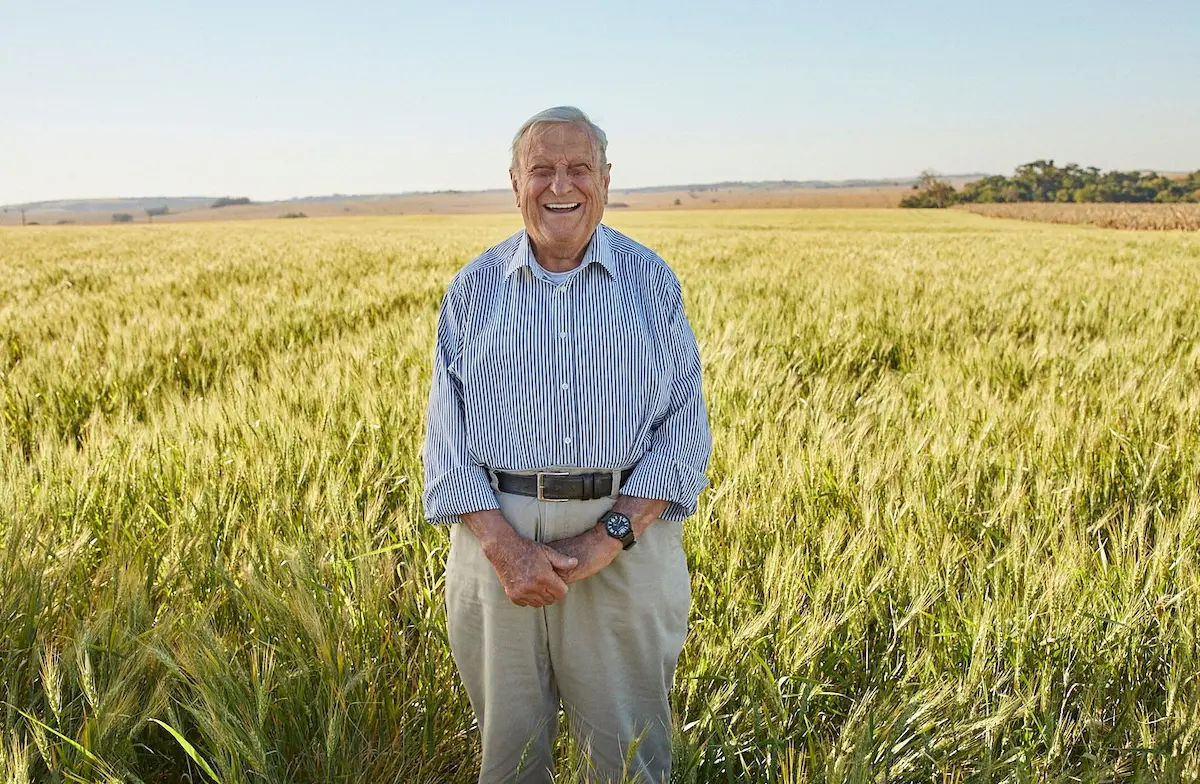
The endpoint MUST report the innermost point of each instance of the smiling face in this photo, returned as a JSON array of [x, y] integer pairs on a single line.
[[561, 189]]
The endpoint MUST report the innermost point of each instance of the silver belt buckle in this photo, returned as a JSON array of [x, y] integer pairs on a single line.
[[541, 486]]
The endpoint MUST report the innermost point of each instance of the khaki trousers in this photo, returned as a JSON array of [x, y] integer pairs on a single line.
[[607, 651]]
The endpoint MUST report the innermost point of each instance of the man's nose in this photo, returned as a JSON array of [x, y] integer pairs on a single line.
[[562, 181]]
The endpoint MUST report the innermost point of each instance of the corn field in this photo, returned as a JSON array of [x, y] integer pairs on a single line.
[[1162, 217], [952, 533]]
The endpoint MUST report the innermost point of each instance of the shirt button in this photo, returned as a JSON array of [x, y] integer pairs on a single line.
[[560, 289], [562, 335], [564, 386], [567, 440]]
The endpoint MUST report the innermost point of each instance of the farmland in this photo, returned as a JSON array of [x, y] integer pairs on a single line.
[[713, 196], [1161, 217], [952, 533]]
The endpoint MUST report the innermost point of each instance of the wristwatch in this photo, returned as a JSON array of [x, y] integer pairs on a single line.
[[618, 527]]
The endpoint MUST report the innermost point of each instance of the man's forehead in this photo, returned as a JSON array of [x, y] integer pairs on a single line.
[[560, 131], [557, 139]]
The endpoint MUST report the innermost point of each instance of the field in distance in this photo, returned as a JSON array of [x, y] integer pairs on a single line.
[[1168, 217], [488, 202], [953, 532]]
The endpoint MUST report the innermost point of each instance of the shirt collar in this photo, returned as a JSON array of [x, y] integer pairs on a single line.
[[598, 250]]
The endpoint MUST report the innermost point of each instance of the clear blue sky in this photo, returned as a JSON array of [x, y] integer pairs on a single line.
[[271, 100]]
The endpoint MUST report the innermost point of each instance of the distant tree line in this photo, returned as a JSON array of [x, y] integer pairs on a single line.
[[1043, 181], [227, 201]]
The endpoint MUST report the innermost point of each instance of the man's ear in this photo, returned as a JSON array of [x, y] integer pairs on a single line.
[[607, 179], [512, 176]]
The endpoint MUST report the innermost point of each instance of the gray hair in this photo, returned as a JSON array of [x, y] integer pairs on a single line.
[[562, 114]]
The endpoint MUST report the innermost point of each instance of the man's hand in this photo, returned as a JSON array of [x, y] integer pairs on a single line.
[[593, 550], [529, 571]]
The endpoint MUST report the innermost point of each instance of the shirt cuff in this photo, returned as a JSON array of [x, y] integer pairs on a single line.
[[457, 492], [667, 480]]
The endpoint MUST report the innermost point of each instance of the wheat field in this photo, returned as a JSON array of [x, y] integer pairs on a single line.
[[952, 532], [1160, 217]]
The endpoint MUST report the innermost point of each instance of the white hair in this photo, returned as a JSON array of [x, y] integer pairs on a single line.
[[562, 114]]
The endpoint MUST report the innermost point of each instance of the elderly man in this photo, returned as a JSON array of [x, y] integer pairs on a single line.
[[567, 435]]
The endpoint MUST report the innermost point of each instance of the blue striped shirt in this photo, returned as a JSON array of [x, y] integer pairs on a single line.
[[597, 373]]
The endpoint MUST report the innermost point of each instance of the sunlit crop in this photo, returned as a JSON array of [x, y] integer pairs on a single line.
[[1164, 217], [952, 533]]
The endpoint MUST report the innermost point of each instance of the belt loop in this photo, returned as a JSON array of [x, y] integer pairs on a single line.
[[493, 480], [616, 483]]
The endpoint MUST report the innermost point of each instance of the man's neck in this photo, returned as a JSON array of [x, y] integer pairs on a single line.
[[557, 258]]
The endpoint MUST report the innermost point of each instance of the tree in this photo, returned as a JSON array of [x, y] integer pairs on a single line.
[[228, 201], [989, 189], [1042, 180], [931, 192]]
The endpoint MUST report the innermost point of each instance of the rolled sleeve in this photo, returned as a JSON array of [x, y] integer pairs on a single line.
[[455, 483], [666, 480], [673, 469], [457, 492]]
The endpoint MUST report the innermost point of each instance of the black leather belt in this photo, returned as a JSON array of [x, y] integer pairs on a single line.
[[561, 485]]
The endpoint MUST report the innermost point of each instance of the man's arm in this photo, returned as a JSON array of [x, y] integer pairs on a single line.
[[594, 549], [455, 484], [673, 468], [670, 476], [457, 489]]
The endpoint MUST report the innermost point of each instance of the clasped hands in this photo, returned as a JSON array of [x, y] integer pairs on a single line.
[[536, 574]]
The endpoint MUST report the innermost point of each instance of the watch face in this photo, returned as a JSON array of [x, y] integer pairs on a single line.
[[617, 525]]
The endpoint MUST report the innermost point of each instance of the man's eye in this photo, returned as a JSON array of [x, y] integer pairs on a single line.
[[579, 171], [540, 171]]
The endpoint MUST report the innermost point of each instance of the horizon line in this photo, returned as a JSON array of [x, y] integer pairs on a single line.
[[814, 183]]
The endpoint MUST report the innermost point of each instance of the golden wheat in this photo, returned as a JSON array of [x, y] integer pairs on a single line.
[[952, 532], [1163, 217]]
